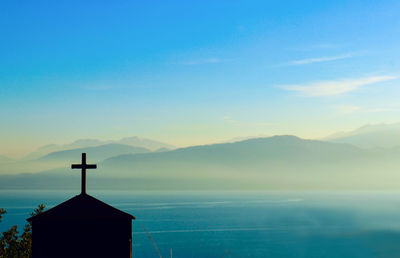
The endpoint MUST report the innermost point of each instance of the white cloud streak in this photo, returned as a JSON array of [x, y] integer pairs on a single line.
[[350, 109], [319, 59], [332, 88], [229, 119]]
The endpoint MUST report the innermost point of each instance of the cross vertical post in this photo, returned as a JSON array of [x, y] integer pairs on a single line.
[[83, 166], [83, 174]]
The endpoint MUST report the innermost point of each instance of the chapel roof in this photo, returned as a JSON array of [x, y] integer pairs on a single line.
[[82, 206]]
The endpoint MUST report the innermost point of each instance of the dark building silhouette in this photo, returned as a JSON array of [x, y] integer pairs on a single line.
[[83, 226]]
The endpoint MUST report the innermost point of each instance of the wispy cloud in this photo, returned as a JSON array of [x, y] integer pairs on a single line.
[[331, 88], [211, 60], [229, 119], [319, 46], [350, 109], [319, 59]]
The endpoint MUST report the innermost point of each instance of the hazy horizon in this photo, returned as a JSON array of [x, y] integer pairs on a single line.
[[216, 141]]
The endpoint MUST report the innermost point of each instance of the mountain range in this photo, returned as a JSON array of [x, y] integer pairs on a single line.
[[134, 141], [97, 153], [271, 163]]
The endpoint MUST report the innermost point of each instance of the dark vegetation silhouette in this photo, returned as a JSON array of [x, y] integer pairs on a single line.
[[14, 244]]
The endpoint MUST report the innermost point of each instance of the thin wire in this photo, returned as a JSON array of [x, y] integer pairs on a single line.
[[155, 246]]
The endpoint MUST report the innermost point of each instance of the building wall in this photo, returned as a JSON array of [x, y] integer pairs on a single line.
[[82, 238]]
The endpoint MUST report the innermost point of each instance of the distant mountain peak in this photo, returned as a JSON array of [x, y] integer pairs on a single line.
[[370, 136], [134, 141], [85, 141], [277, 138], [243, 138], [146, 143], [131, 138], [97, 153]]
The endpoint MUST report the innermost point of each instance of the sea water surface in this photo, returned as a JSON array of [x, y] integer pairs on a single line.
[[243, 224]]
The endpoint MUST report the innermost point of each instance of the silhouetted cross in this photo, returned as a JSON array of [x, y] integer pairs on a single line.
[[84, 166]]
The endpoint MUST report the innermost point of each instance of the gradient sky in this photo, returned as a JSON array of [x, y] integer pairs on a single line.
[[194, 72]]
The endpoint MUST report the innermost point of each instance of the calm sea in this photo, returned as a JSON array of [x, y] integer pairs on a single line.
[[251, 224]]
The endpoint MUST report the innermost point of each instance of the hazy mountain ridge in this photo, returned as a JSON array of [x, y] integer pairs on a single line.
[[134, 141], [254, 155], [370, 136], [97, 153], [64, 158], [273, 148], [279, 162], [145, 143]]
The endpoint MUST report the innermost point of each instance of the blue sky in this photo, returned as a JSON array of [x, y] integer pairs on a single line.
[[190, 72]]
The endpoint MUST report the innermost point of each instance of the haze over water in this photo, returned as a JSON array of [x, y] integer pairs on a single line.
[[245, 224]]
